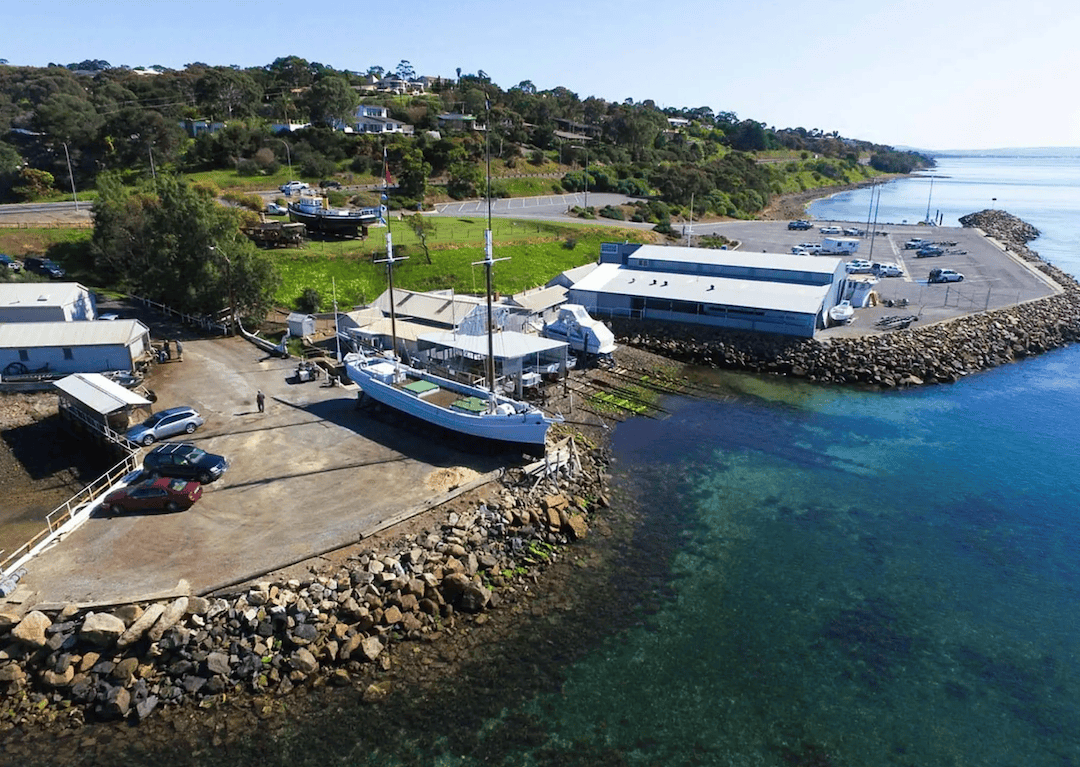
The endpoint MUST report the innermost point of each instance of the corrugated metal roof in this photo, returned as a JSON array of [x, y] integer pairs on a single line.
[[538, 300], [577, 274], [29, 335], [508, 344], [720, 291], [39, 293], [779, 261], [431, 307], [99, 393]]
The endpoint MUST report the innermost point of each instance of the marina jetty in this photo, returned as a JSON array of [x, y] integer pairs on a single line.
[[341, 624], [939, 353]]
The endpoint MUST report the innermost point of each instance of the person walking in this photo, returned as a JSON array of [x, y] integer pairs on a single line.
[[179, 351], [260, 400]]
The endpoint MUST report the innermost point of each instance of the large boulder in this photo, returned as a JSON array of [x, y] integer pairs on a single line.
[[169, 618], [141, 625], [31, 629], [101, 629], [370, 648]]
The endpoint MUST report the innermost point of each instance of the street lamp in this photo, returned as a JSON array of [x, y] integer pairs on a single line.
[[288, 156], [228, 284], [71, 176], [586, 150]]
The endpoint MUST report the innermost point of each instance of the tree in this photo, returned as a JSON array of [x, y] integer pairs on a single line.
[[331, 99], [174, 243], [414, 173], [463, 181], [34, 184], [422, 226], [405, 70]]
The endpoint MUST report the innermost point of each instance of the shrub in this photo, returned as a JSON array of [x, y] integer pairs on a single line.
[[609, 211], [570, 243], [309, 301], [536, 157]]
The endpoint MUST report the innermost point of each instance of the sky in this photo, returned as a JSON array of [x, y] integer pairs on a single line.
[[927, 74]]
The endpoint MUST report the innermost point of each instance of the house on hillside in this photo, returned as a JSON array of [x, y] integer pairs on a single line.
[[457, 121], [371, 118], [46, 302]]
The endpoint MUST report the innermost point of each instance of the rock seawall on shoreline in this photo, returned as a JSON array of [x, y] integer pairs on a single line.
[[939, 353], [337, 627]]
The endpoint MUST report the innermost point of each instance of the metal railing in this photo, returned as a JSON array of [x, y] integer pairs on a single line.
[[206, 323], [65, 511]]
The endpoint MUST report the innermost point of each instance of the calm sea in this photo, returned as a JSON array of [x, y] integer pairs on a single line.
[[859, 578], [833, 577]]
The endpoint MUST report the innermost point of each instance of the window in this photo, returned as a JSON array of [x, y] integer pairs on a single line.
[[24, 355], [67, 354]]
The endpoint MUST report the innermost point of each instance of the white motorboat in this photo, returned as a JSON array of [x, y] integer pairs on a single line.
[[842, 313]]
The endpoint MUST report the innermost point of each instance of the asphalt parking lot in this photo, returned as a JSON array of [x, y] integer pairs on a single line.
[[310, 474], [993, 278]]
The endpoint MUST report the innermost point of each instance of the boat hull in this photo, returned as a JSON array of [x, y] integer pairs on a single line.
[[332, 222], [524, 429]]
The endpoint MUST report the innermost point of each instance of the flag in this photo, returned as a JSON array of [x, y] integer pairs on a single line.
[[386, 168]]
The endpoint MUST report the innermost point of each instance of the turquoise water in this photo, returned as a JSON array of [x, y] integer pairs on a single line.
[[858, 578], [820, 577]]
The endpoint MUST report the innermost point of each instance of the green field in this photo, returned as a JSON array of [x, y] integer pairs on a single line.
[[537, 252]]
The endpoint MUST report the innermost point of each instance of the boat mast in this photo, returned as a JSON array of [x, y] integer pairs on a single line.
[[389, 260], [489, 260], [487, 249]]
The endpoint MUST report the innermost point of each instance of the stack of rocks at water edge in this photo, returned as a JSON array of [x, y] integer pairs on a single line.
[[941, 353], [127, 662]]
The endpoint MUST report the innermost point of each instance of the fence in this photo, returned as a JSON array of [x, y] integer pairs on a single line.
[[953, 295], [65, 511], [47, 225], [206, 323]]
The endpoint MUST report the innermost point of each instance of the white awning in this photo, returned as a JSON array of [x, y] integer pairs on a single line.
[[99, 393], [507, 344]]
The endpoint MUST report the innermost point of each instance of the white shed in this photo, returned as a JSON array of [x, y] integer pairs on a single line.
[[72, 347], [46, 302], [301, 325]]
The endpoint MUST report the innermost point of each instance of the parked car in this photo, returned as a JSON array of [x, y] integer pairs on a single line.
[[183, 460], [276, 210], [160, 494], [886, 269], [853, 231], [174, 420], [810, 247], [10, 263], [293, 186], [944, 275], [927, 251], [799, 250], [329, 184], [829, 229], [800, 225], [915, 243], [46, 267], [858, 266]]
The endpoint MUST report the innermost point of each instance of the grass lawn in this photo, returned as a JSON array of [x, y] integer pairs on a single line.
[[20, 243], [537, 252]]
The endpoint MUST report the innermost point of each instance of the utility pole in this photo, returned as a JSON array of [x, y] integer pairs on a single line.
[[71, 176]]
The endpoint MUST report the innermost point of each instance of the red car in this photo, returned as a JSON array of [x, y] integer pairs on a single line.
[[158, 494]]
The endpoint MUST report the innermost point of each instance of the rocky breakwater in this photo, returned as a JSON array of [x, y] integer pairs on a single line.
[[940, 353], [340, 627]]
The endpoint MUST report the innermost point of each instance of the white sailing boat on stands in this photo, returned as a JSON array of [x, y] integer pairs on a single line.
[[471, 411]]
